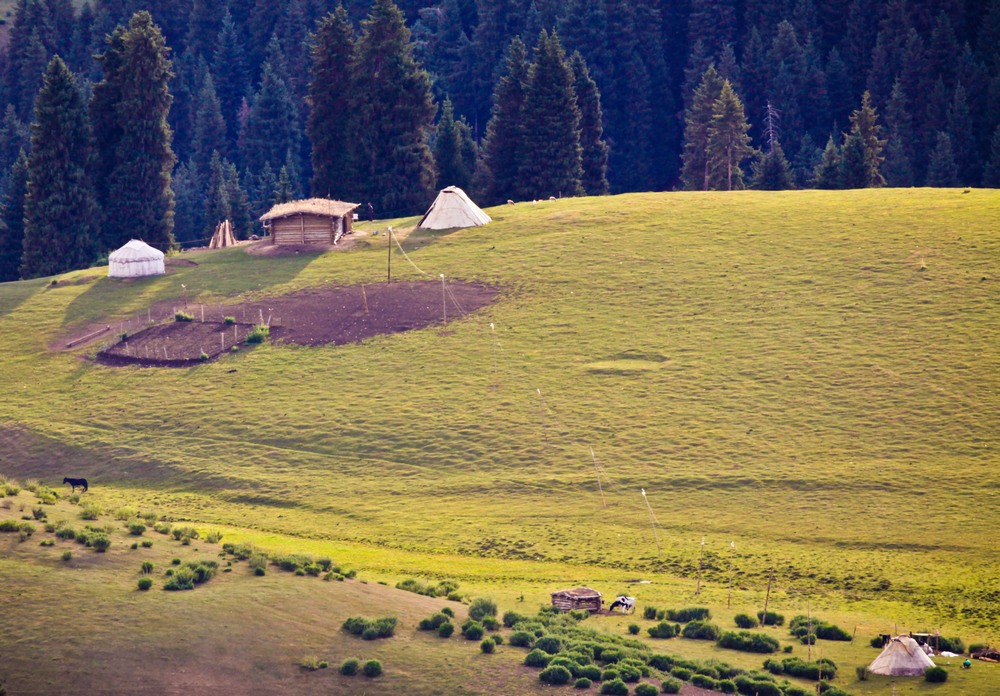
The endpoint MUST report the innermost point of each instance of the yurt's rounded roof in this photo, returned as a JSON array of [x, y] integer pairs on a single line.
[[136, 250]]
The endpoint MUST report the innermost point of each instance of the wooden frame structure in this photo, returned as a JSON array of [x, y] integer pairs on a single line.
[[313, 221]]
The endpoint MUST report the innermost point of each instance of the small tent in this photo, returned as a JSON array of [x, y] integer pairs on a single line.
[[451, 209], [902, 657], [134, 260]]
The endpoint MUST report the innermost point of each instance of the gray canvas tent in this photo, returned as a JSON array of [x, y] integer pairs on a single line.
[[452, 209], [902, 657]]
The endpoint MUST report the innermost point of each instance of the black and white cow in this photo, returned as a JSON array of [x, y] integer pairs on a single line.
[[626, 604]]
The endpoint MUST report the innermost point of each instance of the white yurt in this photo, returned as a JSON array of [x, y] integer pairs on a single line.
[[452, 209], [902, 657], [134, 260]]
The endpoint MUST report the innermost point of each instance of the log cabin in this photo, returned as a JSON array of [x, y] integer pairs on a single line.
[[312, 221]]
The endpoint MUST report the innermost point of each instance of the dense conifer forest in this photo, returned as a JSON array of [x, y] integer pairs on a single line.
[[171, 115]]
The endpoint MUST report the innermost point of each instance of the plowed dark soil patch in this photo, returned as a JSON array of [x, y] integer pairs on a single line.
[[313, 317]]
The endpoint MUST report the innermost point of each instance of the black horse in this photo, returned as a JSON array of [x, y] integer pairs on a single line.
[[81, 482]]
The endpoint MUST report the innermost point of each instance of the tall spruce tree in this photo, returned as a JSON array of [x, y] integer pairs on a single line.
[[210, 134], [395, 113], [991, 175], [828, 174], [594, 150], [231, 75], [728, 144], [271, 129], [450, 150], [331, 126], [898, 165], [695, 173], [216, 197], [138, 193], [942, 170], [59, 210], [504, 141], [551, 164], [12, 220], [772, 172], [865, 128]]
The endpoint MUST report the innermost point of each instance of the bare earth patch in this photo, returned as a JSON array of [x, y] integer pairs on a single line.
[[312, 317]]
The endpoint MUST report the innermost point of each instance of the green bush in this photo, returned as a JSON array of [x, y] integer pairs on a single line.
[[487, 646], [701, 630], [372, 668], [90, 511], [610, 674], [555, 674], [312, 663], [611, 655], [163, 528], [183, 317], [628, 673], [47, 542], [748, 642], [728, 686], [490, 623], [147, 567], [936, 675], [645, 689], [615, 687], [67, 555], [482, 607], [432, 622], [497, 638], [349, 667], [746, 621], [633, 629], [370, 629], [38, 513], [473, 630], [537, 658], [136, 528], [704, 682], [797, 667], [689, 614], [181, 579], [955, 645], [580, 614], [671, 686], [662, 630], [682, 673], [582, 683], [229, 321], [512, 617], [258, 334], [773, 618], [146, 544], [145, 583], [591, 672], [521, 639], [66, 533], [100, 542], [182, 533], [446, 629], [550, 644], [649, 613]]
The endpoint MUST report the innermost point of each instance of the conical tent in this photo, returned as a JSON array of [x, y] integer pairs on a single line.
[[451, 209], [134, 260], [902, 657]]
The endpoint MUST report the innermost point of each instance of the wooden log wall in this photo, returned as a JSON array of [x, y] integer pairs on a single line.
[[304, 229]]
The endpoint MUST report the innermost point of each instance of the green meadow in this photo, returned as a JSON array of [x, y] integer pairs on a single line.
[[811, 376]]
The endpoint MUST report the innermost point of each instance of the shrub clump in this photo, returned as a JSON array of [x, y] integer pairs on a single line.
[[703, 681], [136, 528], [824, 668], [748, 641], [689, 614], [936, 675], [615, 687], [258, 334], [773, 618], [446, 629], [537, 658], [183, 317], [190, 574], [663, 629], [800, 625], [701, 630], [746, 621], [549, 644], [482, 607], [349, 667], [555, 674], [510, 618], [582, 683], [522, 639], [432, 622], [671, 686], [645, 689], [145, 583], [312, 663], [487, 646], [372, 668], [370, 629]]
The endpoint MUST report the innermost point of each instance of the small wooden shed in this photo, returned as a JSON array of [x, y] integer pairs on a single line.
[[578, 598], [309, 221]]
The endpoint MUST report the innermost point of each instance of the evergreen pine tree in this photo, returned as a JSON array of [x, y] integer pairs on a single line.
[[230, 75], [828, 174], [991, 175], [695, 172], [942, 170], [772, 172], [864, 126], [272, 124], [216, 198], [452, 169], [551, 164], [138, 192], [805, 162], [204, 27], [12, 220], [284, 191], [728, 144], [898, 165], [961, 130], [504, 142], [594, 151], [853, 169], [13, 139], [209, 127], [396, 109], [240, 211], [189, 220], [331, 127], [59, 209]]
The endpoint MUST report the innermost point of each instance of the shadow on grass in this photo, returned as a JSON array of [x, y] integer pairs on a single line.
[[226, 273], [12, 295]]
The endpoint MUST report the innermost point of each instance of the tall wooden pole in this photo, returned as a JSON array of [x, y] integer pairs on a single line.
[[652, 520], [767, 597], [388, 273]]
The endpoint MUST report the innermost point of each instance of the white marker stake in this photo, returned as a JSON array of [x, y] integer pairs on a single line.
[[652, 521], [596, 471]]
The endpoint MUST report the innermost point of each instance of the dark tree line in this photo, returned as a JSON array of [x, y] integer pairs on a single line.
[[215, 109]]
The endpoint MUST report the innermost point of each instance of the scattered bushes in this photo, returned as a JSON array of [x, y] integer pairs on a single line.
[[797, 667], [663, 630], [537, 658], [100, 542], [183, 317], [370, 629], [90, 511], [646, 690], [555, 674], [441, 589], [633, 629], [955, 645], [184, 534], [649, 613], [258, 334], [704, 681], [432, 622], [512, 617], [349, 667], [190, 574], [372, 668], [773, 618], [748, 642], [549, 644], [487, 646], [162, 528], [671, 686], [136, 528], [800, 625], [746, 621], [582, 683], [473, 630], [482, 607], [701, 630], [615, 687], [312, 663], [689, 614], [936, 675], [446, 629], [522, 639]]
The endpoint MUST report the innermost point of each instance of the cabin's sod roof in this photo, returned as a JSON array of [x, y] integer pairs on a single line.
[[310, 206]]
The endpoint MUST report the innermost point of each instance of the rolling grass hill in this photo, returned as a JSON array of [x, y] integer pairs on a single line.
[[813, 375]]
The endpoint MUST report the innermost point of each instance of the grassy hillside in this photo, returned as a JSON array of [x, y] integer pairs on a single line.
[[813, 375]]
